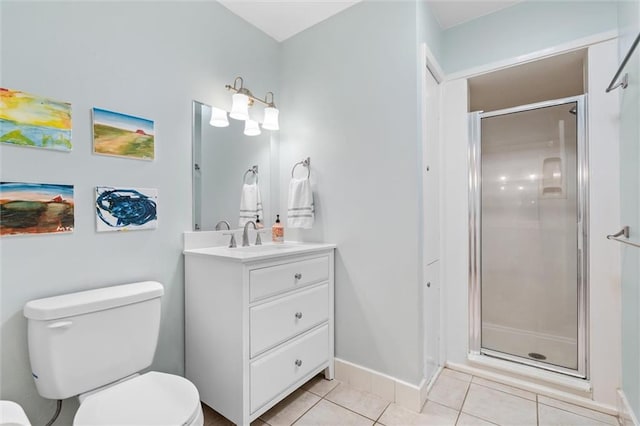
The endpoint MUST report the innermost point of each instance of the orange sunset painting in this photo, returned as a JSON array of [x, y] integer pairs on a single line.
[[34, 121], [35, 208]]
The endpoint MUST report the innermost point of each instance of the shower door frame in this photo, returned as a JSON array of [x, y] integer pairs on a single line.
[[475, 208]]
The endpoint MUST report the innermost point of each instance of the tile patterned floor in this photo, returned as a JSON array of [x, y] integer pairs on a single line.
[[455, 399]]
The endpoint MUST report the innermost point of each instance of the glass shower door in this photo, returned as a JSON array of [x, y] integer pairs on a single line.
[[530, 235]]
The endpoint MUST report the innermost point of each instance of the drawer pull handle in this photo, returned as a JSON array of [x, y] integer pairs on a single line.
[[298, 276], [299, 315], [298, 362]]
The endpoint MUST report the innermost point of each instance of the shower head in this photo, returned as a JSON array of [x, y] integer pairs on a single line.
[[573, 110]]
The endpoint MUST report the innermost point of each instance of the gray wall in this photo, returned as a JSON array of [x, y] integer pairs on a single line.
[[349, 85], [143, 58], [524, 28]]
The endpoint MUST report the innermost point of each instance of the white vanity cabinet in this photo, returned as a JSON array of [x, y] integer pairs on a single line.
[[258, 324]]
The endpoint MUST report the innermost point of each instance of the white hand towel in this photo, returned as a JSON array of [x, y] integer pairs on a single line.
[[250, 203], [301, 210]]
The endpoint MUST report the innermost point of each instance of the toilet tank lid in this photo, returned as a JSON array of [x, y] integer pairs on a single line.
[[87, 301]]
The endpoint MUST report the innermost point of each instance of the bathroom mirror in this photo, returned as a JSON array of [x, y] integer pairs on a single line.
[[222, 157]]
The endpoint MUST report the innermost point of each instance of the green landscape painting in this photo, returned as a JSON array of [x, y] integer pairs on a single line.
[[34, 121], [122, 135]]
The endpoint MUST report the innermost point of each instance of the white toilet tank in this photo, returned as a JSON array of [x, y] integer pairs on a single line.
[[82, 341]]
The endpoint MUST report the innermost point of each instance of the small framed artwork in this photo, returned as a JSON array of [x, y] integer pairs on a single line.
[[35, 208], [34, 121], [126, 209], [122, 135]]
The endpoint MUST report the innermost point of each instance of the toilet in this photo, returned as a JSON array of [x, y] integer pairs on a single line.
[[12, 414], [93, 344]]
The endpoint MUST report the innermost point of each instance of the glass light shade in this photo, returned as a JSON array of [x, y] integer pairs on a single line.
[[240, 107], [218, 117], [271, 119], [251, 128]]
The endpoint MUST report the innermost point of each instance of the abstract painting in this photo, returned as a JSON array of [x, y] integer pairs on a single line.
[[35, 208], [122, 135], [34, 121], [126, 209]]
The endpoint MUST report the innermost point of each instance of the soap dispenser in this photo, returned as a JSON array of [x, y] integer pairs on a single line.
[[277, 231]]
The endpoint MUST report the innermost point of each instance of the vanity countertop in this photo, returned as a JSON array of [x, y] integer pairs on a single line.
[[262, 252]]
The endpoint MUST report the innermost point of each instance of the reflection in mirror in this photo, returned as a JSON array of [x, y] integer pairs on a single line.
[[222, 158]]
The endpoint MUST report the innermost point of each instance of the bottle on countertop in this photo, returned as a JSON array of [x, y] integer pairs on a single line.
[[259, 224], [277, 231]]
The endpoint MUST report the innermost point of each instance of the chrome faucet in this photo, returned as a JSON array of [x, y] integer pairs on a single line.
[[245, 234], [223, 222]]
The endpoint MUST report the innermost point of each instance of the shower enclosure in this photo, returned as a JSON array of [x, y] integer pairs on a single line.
[[528, 239]]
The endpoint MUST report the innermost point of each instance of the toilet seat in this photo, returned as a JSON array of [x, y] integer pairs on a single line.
[[153, 398]]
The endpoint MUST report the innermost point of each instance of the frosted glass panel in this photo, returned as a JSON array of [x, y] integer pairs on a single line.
[[630, 215], [529, 235]]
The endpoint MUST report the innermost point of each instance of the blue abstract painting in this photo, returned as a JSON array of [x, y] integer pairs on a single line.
[[126, 209]]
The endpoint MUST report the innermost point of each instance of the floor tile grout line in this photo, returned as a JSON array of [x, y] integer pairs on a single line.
[[381, 414], [463, 400], [353, 411], [453, 377], [349, 409], [475, 415], [306, 411], [508, 393], [577, 414]]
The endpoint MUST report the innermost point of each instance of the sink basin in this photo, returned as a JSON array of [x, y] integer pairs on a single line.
[[265, 251], [265, 247]]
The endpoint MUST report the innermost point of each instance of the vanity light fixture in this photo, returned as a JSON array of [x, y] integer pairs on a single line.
[[218, 117], [243, 99]]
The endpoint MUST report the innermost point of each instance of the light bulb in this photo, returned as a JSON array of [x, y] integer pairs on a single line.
[[240, 107], [251, 128], [218, 117], [271, 119]]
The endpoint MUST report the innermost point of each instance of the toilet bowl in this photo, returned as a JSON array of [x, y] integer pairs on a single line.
[[149, 399], [93, 344], [12, 414]]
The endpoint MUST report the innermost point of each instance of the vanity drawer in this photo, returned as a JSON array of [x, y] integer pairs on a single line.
[[272, 280], [283, 367], [278, 320]]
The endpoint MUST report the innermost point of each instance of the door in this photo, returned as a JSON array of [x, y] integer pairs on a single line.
[[431, 224], [530, 224]]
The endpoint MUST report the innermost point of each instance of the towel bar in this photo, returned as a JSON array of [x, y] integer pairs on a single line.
[[624, 82], [623, 232]]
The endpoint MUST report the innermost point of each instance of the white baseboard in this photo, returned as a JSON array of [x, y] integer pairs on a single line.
[[626, 417], [535, 387], [402, 393]]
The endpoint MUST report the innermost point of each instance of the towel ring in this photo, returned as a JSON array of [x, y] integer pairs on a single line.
[[306, 163], [253, 170]]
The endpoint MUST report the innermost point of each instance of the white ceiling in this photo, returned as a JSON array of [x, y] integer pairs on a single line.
[[282, 19]]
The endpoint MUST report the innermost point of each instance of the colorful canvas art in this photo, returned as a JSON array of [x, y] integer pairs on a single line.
[[126, 209], [122, 135], [34, 121], [35, 208]]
